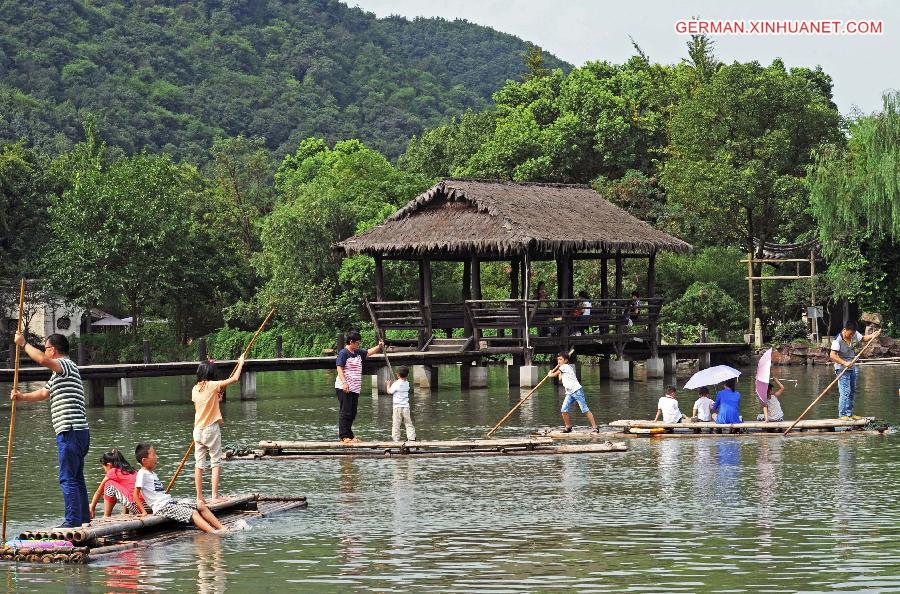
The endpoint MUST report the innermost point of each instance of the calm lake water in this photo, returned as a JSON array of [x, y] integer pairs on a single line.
[[718, 514]]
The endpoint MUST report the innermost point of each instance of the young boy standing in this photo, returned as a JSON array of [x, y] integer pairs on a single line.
[[400, 391], [349, 383], [148, 486], [574, 392], [668, 407]]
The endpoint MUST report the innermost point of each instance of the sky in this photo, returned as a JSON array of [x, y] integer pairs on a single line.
[[861, 66]]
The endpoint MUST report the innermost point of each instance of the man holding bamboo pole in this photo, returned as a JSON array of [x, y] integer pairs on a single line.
[[69, 417], [843, 350]]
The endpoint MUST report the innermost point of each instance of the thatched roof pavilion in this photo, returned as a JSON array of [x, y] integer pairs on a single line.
[[476, 220], [491, 219]]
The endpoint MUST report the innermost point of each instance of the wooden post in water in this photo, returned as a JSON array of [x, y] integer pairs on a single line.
[[279, 351], [201, 349], [147, 357]]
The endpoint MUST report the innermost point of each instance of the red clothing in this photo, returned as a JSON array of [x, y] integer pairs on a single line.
[[122, 481]]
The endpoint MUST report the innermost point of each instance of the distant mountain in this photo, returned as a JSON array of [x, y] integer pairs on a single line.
[[173, 75]]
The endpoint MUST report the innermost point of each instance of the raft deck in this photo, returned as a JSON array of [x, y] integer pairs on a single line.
[[642, 428], [418, 449], [109, 536]]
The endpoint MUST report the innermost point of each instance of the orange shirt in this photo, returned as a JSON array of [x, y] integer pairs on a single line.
[[206, 404]]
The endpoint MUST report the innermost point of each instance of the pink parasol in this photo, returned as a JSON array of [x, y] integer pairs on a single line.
[[763, 376]]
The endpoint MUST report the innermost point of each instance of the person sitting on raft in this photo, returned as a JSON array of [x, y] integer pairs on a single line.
[[728, 404], [117, 486], [668, 407], [772, 408], [148, 486], [703, 407]]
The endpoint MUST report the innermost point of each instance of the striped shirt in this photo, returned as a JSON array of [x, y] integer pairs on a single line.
[[352, 362], [67, 409]]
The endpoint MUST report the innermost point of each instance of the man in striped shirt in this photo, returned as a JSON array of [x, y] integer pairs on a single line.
[[69, 418]]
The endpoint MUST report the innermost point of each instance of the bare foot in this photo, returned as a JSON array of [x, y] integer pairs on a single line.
[[219, 499], [201, 499]]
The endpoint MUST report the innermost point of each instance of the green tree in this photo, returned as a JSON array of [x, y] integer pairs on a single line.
[[534, 62]]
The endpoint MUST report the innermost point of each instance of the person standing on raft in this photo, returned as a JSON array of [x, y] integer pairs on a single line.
[[574, 393], [843, 351], [349, 383], [69, 417]]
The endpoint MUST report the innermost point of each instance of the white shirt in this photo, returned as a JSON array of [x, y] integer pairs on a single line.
[[400, 390], [704, 408], [669, 408], [569, 379], [151, 489], [845, 350], [775, 412], [586, 307]]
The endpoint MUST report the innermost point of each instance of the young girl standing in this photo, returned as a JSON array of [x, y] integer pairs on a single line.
[[117, 486], [206, 396]]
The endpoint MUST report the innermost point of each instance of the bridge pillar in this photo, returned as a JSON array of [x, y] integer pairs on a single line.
[[126, 391], [655, 367], [426, 376], [528, 376], [248, 385], [380, 380], [620, 370], [478, 377], [704, 361], [96, 388], [670, 363], [512, 373], [603, 367]]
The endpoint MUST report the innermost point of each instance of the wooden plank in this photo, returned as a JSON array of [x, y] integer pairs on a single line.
[[807, 424], [386, 445], [594, 448]]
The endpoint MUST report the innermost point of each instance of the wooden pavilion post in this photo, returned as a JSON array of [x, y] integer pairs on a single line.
[[620, 310], [476, 278], [604, 287], [467, 294], [427, 298], [570, 279], [651, 293], [379, 278]]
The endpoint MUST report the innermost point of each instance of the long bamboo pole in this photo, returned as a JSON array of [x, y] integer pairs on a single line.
[[833, 382], [522, 401], [191, 446], [12, 414]]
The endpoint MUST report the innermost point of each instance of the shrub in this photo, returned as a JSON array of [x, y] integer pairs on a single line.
[[706, 304], [787, 331]]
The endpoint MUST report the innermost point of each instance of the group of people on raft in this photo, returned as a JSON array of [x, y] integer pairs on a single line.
[[136, 490]]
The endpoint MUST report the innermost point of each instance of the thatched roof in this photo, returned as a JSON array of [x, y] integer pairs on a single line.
[[468, 217]]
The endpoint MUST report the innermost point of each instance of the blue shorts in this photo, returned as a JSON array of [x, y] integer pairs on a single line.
[[576, 396]]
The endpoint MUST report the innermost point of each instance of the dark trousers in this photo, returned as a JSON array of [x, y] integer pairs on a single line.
[[72, 447], [347, 412]]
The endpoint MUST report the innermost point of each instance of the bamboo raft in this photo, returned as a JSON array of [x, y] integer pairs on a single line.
[[416, 449], [641, 428], [109, 536]]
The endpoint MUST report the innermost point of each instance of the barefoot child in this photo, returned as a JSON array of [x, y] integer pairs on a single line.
[[206, 396], [574, 393], [148, 486], [703, 407], [117, 486], [400, 390], [668, 407]]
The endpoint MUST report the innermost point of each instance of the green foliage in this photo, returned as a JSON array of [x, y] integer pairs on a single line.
[[858, 186], [789, 331], [173, 77], [706, 304], [326, 195], [121, 347], [718, 265], [225, 342], [739, 146]]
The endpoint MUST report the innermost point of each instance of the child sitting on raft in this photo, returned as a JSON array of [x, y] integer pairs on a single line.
[[117, 486], [148, 486], [668, 407], [703, 407], [772, 408]]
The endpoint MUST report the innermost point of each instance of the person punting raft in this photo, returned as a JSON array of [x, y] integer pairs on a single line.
[[68, 415], [574, 392], [843, 351], [348, 384]]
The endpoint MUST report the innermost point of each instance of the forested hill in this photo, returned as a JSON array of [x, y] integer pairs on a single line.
[[173, 75]]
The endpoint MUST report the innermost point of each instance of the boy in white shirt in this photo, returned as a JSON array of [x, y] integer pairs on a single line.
[[668, 406], [148, 486], [574, 392], [703, 407], [400, 390]]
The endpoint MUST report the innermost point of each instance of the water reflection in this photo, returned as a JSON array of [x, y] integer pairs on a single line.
[[211, 574]]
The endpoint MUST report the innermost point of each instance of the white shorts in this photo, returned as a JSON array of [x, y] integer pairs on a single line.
[[208, 441]]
